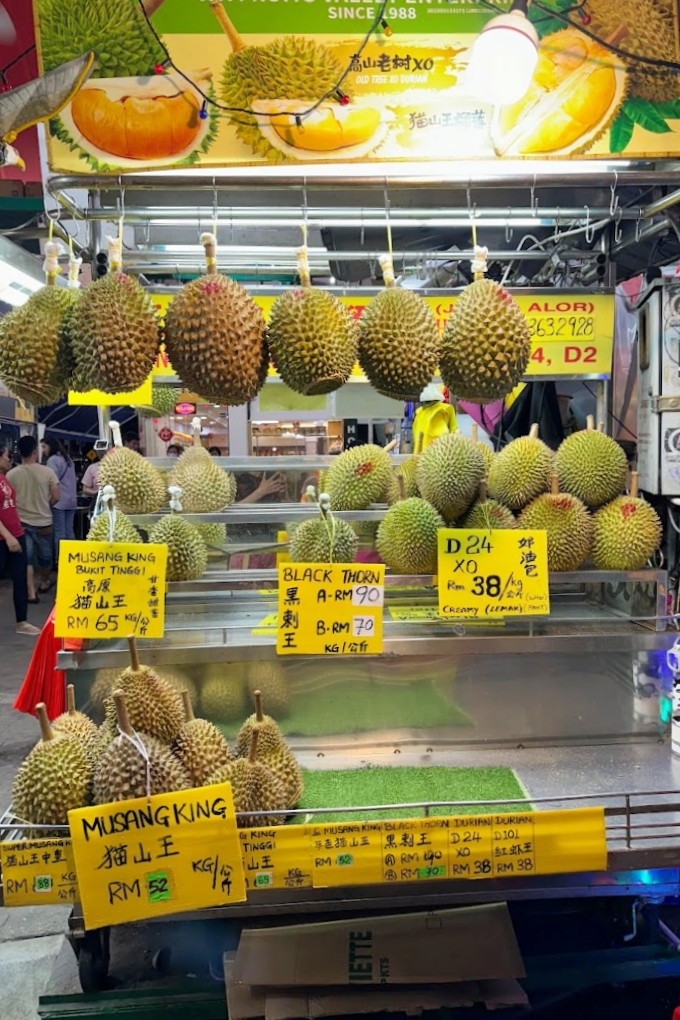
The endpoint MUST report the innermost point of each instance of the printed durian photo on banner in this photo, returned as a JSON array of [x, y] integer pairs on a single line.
[[218, 83]]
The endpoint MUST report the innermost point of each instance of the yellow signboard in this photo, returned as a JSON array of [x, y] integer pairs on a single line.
[[37, 872], [141, 397], [413, 849], [330, 609], [110, 590], [163, 855], [492, 574]]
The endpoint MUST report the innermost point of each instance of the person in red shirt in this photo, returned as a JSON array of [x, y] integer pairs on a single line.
[[13, 546]]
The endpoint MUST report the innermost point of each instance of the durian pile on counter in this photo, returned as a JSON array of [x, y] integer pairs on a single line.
[[575, 495], [149, 743]]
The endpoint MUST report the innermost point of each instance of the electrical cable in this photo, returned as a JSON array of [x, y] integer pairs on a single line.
[[611, 413]]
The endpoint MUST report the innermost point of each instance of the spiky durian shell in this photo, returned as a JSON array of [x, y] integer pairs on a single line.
[[591, 466], [313, 340], [407, 537], [114, 335], [214, 334], [105, 679], [486, 344], [202, 749], [80, 727], [284, 765], [398, 343], [488, 455], [271, 680], [490, 514], [291, 67], [569, 528], [223, 692], [123, 773], [403, 484], [254, 788], [323, 540], [214, 536], [113, 29], [206, 487], [358, 477], [55, 778], [35, 359], [139, 487], [449, 472], [123, 529], [164, 399], [626, 533], [187, 552], [153, 705], [520, 472], [270, 740]]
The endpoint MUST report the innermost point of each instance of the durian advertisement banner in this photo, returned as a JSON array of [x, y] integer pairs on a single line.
[[406, 90]]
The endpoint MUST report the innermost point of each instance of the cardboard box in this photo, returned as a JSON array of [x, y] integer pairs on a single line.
[[11, 189], [467, 944]]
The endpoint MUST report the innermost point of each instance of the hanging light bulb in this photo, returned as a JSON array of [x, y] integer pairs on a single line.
[[504, 57]]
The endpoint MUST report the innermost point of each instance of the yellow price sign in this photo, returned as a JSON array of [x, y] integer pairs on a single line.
[[346, 853], [330, 609], [492, 574], [36, 872], [110, 590], [166, 854], [276, 858], [141, 397]]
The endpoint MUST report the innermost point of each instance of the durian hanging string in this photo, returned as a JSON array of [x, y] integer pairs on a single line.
[[387, 261], [74, 265], [479, 262], [126, 732], [109, 499], [303, 252], [52, 252], [209, 242], [329, 521]]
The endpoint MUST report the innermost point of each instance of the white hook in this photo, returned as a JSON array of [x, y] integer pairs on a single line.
[[618, 232], [614, 201], [590, 230], [534, 200], [638, 225], [215, 208], [509, 232], [472, 209]]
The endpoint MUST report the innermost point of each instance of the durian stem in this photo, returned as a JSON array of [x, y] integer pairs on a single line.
[[483, 496], [392, 446], [151, 6], [210, 246], [590, 423], [51, 280], [401, 483], [232, 35], [45, 727], [122, 713], [259, 714], [71, 699], [533, 431], [600, 426], [188, 708], [475, 432], [134, 655], [554, 485], [252, 756], [634, 481]]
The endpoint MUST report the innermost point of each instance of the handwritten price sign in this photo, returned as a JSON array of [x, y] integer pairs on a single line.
[[37, 872]]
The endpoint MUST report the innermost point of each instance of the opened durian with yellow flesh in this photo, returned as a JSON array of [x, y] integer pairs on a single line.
[[138, 486], [206, 487], [187, 552]]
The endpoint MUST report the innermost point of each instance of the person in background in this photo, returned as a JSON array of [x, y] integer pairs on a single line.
[[173, 450], [214, 451], [90, 480], [37, 491], [13, 546], [250, 489], [131, 440], [56, 457]]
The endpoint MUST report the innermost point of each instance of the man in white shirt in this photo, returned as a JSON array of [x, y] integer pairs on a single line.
[[37, 490]]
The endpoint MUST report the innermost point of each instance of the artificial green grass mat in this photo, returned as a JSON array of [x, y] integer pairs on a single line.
[[361, 706], [404, 785]]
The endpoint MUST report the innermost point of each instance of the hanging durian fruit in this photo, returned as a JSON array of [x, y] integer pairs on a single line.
[[206, 488], [187, 552], [138, 486], [567, 522], [627, 532], [78, 726], [135, 764], [111, 525], [153, 705], [215, 335], [323, 539], [521, 471], [54, 779], [313, 338], [486, 342], [114, 331], [199, 746], [35, 358], [254, 787], [591, 465], [163, 401], [398, 340]]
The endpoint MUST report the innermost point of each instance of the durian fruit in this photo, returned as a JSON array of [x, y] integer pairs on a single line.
[[398, 340], [215, 336], [163, 401], [403, 484], [489, 514], [323, 539], [113, 29], [651, 32], [138, 487], [591, 466], [271, 740], [214, 536], [114, 331], [223, 692], [106, 679], [271, 680], [486, 343], [366, 532], [54, 779], [449, 472], [313, 338], [135, 764], [206, 487], [187, 552], [123, 529], [568, 525], [153, 705], [358, 477], [521, 471], [35, 361], [486, 451], [254, 788], [407, 537], [626, 532], [78, 726], [200, 746]]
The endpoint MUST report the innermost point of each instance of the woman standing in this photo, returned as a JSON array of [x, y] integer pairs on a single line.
[[13, 546], [56, 457]]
